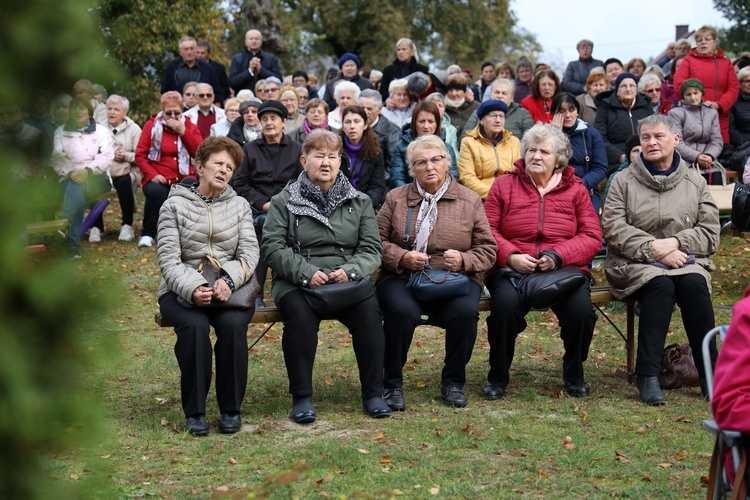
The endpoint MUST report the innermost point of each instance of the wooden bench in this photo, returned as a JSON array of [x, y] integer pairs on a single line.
[[600, 295]]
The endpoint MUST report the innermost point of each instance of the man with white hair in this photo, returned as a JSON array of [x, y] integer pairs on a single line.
[[205, 113], [388, 133], [187, 68], [252, 64]]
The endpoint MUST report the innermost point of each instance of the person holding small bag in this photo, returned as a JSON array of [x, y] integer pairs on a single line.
[[431, 224], [321, 237], [198, 222], [543, 220]]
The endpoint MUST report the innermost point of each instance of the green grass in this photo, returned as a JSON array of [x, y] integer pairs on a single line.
[[616, 447]]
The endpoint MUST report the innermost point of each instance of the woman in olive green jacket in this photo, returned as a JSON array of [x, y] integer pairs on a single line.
[[319, 231]]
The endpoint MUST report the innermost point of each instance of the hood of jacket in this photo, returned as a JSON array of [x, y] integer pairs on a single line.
[[660, 182], [475, 133], [718, 54], [579, 128], [569, 176], [610, 97]]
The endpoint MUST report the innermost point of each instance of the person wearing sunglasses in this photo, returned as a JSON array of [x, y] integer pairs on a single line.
[[205, 113], [168, 142]]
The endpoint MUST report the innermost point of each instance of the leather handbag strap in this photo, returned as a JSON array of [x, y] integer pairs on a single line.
[[739, 488], [407, 244], [217, 265]]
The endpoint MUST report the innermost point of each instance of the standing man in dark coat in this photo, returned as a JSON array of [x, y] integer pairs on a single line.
[[578, 71], [203, 52], [271, 161], [252, 64], [187, 68]]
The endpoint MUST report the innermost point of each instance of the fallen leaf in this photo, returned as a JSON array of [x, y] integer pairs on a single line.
[[232, 460], [688, 421], [363, 451], [541, 474], [398, 492], [288, 477], [679, 418], [681, 455], [74, 477], [385, 459], [318, 482], [567, 440], [704, 479], [379, 435], [569, 446], [647, 479], [329, 382], [420, 384], [641, 430], [435, 490], [164, 421], [222, 488], [433, 420], [665, 465]]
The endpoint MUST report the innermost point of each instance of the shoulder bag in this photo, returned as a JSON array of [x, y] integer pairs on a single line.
[[741, 207], [333, 297], [545, 289], [678, 368]]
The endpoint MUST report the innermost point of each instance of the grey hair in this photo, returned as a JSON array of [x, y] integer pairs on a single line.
[[584, 43], [203, 85], [598, 70], [743, 73], [100, 89], [271, 79], [435, 96], [504, 81], [540, 133], [63, 99], [187, 85], [346, 85], [654, 69], [454, 66], [374, 95], [118, 99], [411, 46], [401, 83], [425, 142], [376, 73], [657, 119], [185, 39], [647, 79]]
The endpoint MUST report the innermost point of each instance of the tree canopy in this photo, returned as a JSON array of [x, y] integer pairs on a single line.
[[736, 38]]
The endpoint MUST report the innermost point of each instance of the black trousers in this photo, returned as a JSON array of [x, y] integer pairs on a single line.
[[156, 194], [657, 299], [193, 352], [508, 318], [261, 270], [300, 342], [402, 313], [124, 187]]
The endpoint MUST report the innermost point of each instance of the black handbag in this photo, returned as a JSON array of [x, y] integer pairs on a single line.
[[741, 207], [545, 289], [333, 297], [242, 297], [429, 285]]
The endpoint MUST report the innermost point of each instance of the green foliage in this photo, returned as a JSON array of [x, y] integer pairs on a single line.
[[447, 31], [736, 38], [44, 303], [142, 36]]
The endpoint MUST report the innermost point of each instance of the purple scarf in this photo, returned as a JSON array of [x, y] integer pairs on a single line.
[[355, 168], [309, 128]]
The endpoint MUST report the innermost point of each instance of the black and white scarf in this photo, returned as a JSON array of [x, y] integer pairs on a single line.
[[308, 199]]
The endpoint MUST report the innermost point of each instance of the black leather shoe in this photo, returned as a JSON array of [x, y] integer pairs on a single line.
[[577, 389], [303, 411], [197, 425], [493, 392], [649, 389], [230, 423], [376, 407], [453, 395], [394, 398]]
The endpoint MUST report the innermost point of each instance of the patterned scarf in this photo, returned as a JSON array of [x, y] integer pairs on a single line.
[[309, 127], [428, 213], [252, 133], [154, 152], [308, 199]]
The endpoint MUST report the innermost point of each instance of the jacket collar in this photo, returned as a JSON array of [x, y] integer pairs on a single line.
[[569, 176], [413, 198], [184, 192], [661, 182]]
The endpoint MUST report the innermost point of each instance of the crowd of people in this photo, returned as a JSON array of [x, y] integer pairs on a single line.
[[492, 182]]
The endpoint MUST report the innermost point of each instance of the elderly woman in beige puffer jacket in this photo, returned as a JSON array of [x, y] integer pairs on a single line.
[[208, 218]]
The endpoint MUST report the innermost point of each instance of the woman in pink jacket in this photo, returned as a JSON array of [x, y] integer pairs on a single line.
[[541, 216], [83, 151]]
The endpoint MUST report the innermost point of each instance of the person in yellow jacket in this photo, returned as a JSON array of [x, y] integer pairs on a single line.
[[488, 150]]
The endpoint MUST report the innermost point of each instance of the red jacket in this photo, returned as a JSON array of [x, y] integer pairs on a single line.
[[167, 165], [535, 107], [719, 80], [563, 221], [731, 401]]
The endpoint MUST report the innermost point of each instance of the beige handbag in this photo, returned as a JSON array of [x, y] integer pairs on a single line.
[[722, 194]]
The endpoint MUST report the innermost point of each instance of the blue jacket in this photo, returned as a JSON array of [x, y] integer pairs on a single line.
[[240, 78], [587, 142], [400, 170]]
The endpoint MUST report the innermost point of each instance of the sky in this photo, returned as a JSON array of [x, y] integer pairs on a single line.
[[622, 29]]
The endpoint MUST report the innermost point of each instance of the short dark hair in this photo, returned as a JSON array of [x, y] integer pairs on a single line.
[[487, 63], [302, 74], [612, 60], [204, 43], [217, 144], [427, 107], [81, 102]]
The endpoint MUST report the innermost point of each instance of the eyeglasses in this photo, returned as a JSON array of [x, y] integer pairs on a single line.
[[496, 116], [272, 89], [172, 113], [704, 39], [653, 91], [436, 160], [203, 96]]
